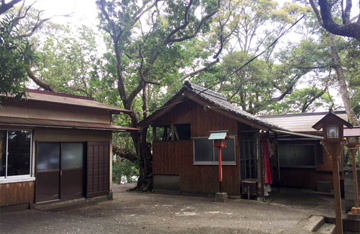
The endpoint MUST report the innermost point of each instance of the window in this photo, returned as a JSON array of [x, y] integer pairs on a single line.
[[174, 132], [297, 155], [205, 153], [15, 153]]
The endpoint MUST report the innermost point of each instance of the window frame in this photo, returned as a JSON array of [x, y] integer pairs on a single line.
[[215, 163], [17, 178]]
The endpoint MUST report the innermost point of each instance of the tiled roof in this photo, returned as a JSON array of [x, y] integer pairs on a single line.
[[220, 101], [72, 100], [299, 122]]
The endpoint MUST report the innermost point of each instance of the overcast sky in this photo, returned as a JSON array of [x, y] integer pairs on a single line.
[[83, 11]]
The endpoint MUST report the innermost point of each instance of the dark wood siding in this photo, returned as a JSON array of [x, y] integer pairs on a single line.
[[303, 178], [98, 164], [16, 193], [176, 158]]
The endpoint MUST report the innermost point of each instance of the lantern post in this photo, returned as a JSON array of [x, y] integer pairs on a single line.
[[353, 146], [219, 138], [333, 143]]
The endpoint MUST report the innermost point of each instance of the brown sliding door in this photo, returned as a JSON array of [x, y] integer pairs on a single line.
[[72, 179], [47, 172], [59, 171], [98, 164]]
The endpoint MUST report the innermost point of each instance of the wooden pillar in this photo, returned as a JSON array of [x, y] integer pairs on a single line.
[[355, 181], [335, 150], [262, 169]]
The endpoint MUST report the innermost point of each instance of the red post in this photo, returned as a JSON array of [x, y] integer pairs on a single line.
[[220, 168]]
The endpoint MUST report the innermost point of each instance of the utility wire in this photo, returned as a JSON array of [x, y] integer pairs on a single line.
[[237, 70], [256, 56]]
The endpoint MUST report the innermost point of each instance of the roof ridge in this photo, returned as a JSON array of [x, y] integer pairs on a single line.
[[208, 91], [301, 114], [59, 94]]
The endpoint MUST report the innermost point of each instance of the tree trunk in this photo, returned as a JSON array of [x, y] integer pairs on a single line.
[[343, 90], [145, 165]]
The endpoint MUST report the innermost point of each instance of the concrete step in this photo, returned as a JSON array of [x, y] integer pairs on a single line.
[[313, 223], [67, 205], [327, 228]]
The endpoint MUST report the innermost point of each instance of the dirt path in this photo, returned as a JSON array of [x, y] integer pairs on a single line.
[[158, 213]]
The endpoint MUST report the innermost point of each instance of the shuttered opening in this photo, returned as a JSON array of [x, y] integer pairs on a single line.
[[98, 165]]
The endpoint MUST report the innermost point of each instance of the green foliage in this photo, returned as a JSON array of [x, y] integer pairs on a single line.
[[123, 168], [66, 59], [351, 61], [14, 52], [302, 100]]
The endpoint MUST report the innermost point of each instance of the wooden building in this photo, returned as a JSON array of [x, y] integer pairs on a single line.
[[55, 147], [302, 161], [185, 160]]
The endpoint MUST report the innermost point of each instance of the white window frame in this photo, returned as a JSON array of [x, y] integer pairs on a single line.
[[17, 178], [226, 163]]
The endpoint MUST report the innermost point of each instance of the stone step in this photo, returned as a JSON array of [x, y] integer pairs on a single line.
[[313, 223], [327, 228]]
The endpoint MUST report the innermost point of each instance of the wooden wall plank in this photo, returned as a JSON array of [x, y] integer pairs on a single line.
[[176, 157], [16, 193]]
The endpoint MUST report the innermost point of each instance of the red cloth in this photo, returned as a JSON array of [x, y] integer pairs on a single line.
[[268, 179]]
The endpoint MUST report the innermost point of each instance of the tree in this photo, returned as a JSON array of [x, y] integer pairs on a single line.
[[350, 27], [326, 21], [152, 40], [302, 101], [65, 59], [253, 86]]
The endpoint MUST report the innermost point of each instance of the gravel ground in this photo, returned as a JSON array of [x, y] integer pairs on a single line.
[[133, 213]]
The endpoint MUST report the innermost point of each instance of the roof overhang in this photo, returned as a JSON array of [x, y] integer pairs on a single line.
[[38, 96], [298, 134], [349, 132], [45, 123]]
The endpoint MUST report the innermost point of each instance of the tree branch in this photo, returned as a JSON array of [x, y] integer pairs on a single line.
[[346, 13], [308, 103], [7, 6], [199, 26], [347, 30], [317, 13], [133, 94], [142, 62], [124, 153], [37, 81], [186, 22], [201, 69], [289, 87]]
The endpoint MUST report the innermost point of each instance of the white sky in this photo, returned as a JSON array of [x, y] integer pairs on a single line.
[[83, 11]]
